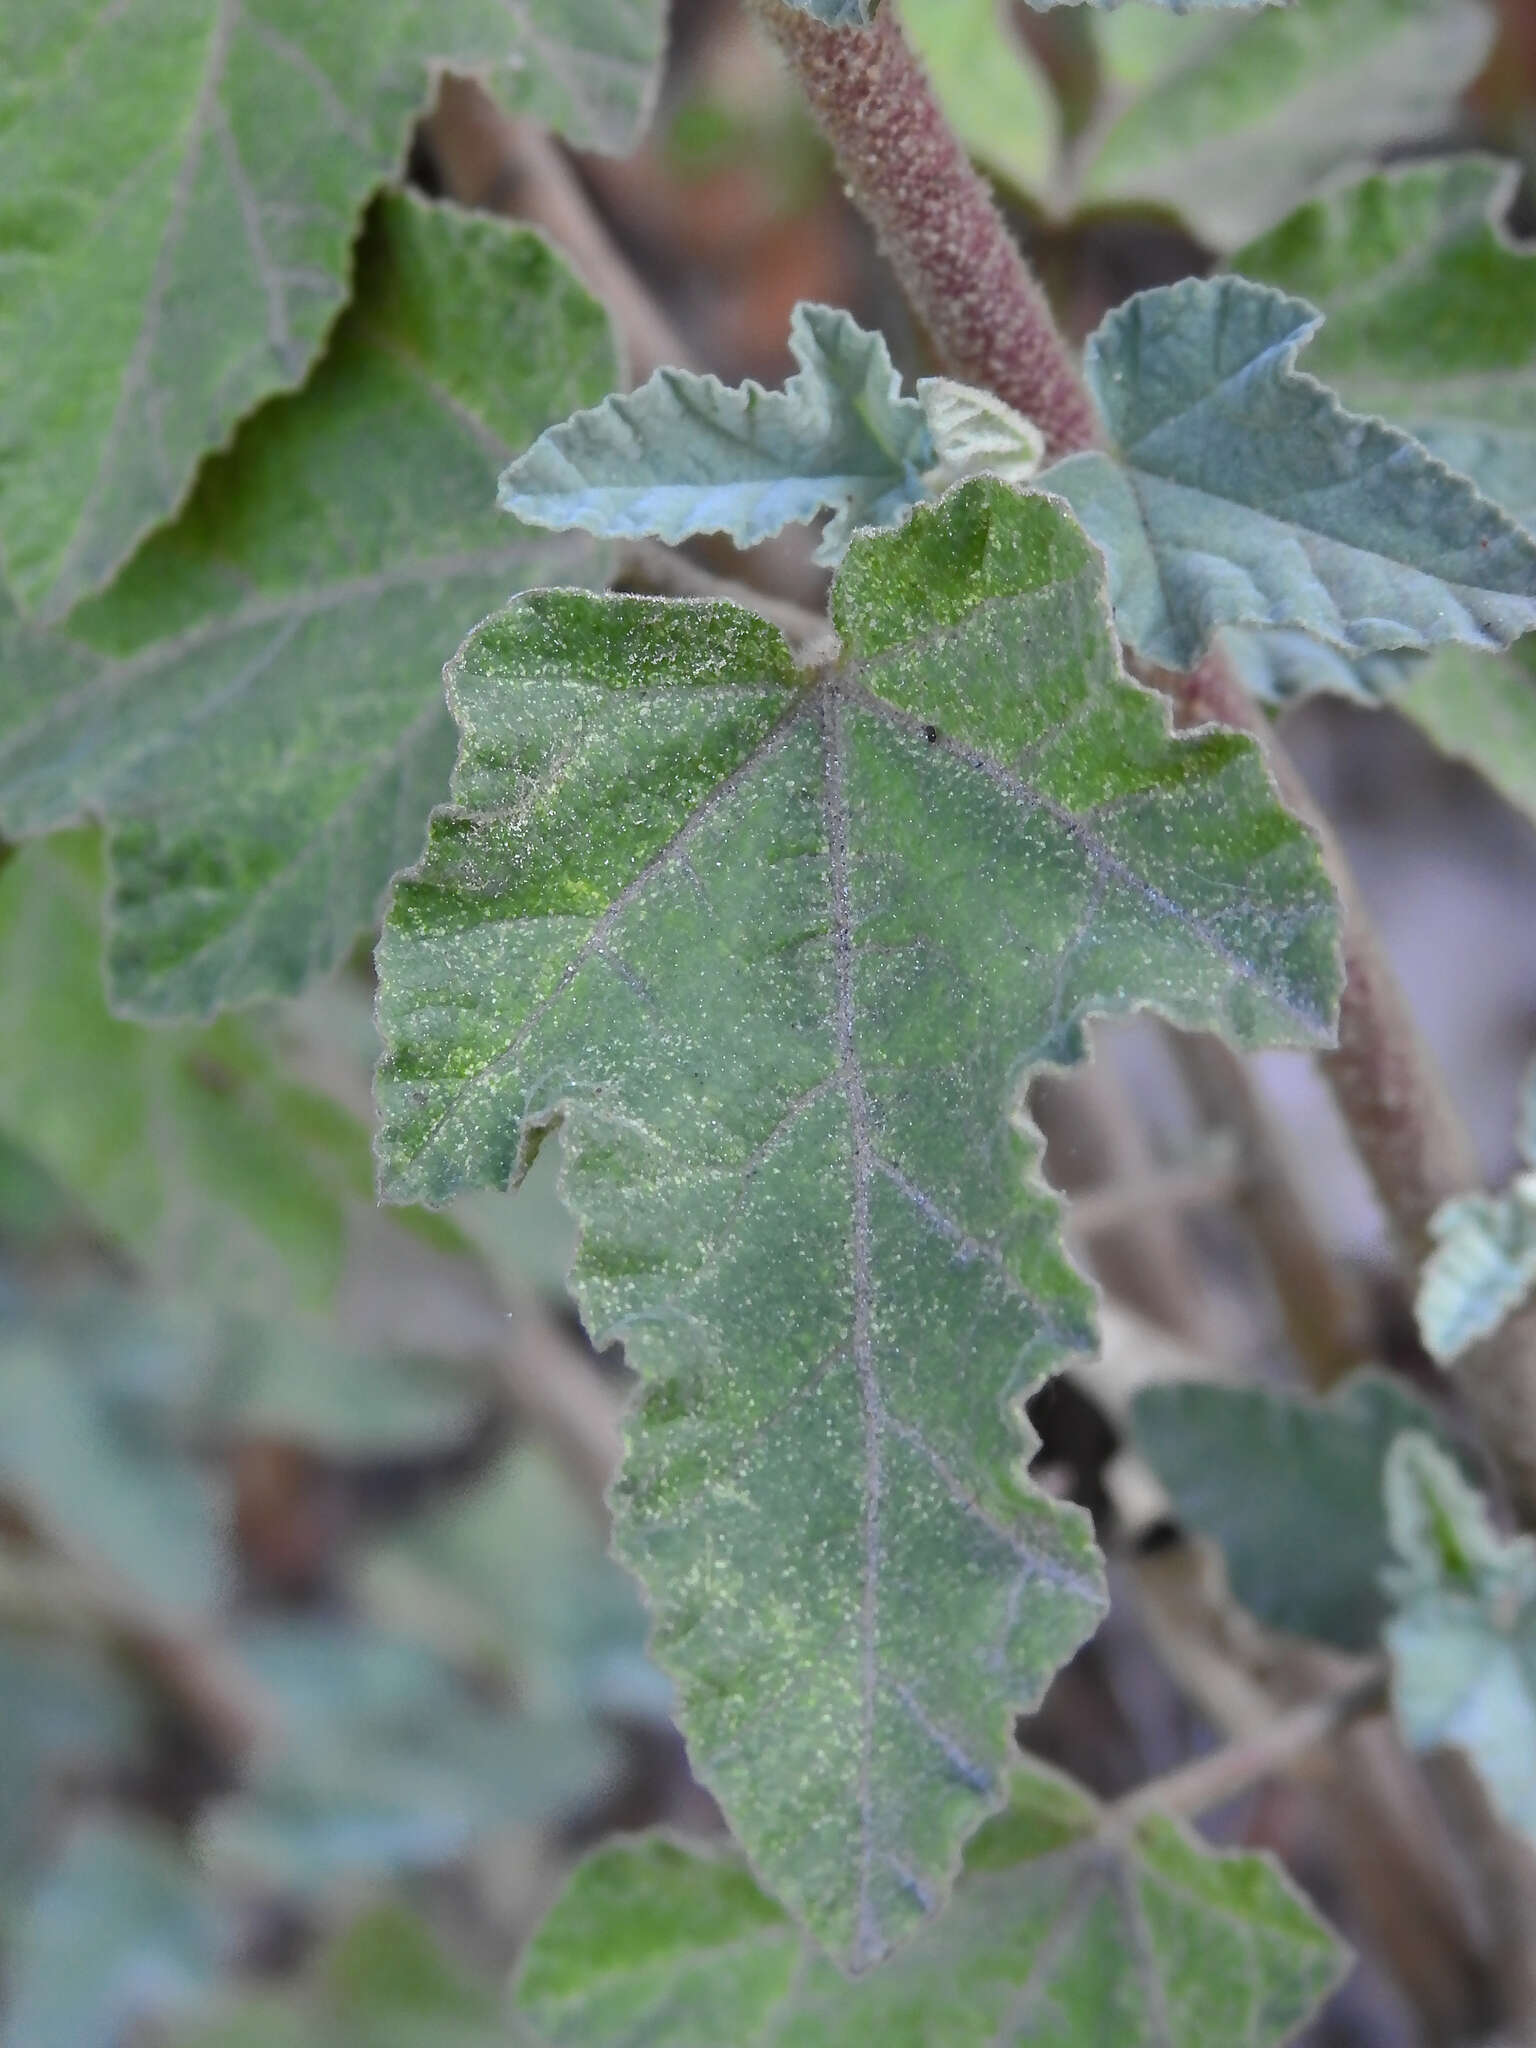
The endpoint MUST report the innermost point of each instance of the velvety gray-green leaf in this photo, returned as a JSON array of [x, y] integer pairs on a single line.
[[1463, 1641], [779, 950], [190, 1148], [183, 181], [1239, 492], [1062, 1932], [687, 454], [838, 13], [1483, 1266], [1291, 1491], [1228, 121], [120, 1936], [1431, 312], [1280, 666], [1481, 709], [256, 705]]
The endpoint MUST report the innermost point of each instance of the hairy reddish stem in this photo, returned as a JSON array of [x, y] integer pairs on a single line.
[[935, 219]]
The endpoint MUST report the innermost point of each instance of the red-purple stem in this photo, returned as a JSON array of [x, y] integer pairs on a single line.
[[936, 221]]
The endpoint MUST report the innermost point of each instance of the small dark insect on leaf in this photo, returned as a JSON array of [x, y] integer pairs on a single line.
[[931, 735]]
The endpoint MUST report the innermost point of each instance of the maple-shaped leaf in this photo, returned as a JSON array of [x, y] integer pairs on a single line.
[[1069, 1928], [779, 949], [1236, 490]]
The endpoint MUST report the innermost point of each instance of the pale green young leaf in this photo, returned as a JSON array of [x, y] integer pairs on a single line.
[[687, 454], [1290, 1489], [119, 1937], [975, 433], [189, 1147], [1431, 312], [1065, 1930], [1481, 709], [1227, 122], [1463, 1641], [1239, 492], [1483, 1266], [256, 706], [183, 181], [779, 950]]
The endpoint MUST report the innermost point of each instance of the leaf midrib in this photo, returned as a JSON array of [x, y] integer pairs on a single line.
[[807, 703]]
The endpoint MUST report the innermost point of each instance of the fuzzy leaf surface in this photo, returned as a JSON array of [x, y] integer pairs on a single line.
[[1291, 1491], [1463, 1641], [1061, 1933], [779, 950], [183, 182], [687, 454], [1239, 492], [1229, 120], [190, 1148], [1431, 312], [256, 706]]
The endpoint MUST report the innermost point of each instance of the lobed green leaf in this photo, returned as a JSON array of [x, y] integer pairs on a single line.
[[256, 707], [1239, 492], [779, 950], [1065, 1930], [183, 181]]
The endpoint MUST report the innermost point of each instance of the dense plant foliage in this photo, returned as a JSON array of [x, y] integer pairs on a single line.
[[718, 938]]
